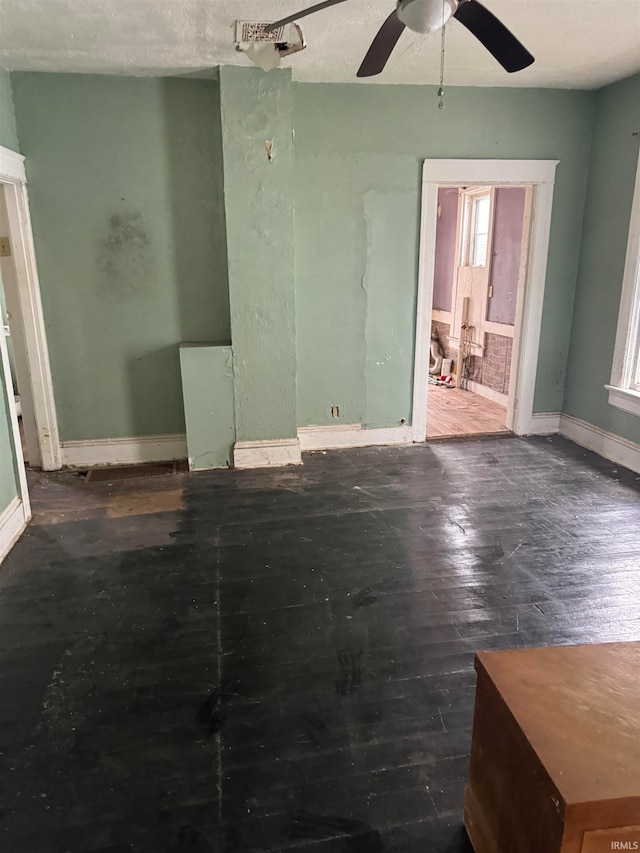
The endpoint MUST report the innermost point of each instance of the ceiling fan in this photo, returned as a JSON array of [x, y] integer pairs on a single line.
[[428, 16]]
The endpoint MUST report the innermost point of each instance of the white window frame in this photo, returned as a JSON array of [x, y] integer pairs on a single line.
[[469, 221], [624, 390]]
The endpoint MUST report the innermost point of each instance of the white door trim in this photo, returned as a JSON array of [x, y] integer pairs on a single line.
[[25, 293], [13, 520], [539, 174]]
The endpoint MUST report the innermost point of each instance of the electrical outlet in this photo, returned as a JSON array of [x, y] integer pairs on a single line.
[[5, 247], [335, 411]]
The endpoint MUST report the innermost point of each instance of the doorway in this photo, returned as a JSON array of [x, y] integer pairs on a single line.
[[26, 363], [481, 252], [503, 329]]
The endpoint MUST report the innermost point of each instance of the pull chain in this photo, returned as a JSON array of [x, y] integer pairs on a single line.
[[441, 88]]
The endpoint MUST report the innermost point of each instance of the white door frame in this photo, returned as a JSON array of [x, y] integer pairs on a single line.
[[30, 343], [539, 174]]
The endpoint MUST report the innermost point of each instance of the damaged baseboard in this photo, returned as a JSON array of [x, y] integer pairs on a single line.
[[266, 454], [351, 435], [123, 451], [616, 449], [13, 521]]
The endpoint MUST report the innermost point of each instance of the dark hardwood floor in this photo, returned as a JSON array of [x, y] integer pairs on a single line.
[[283, 660]]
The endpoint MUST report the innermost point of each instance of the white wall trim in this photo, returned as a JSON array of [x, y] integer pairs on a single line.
[[22, 291], [484, 172], [544, 423], [351, 435], [123, 451], [502, 329], [488, 393], [13, 520], [440, 316], [539, 174], [620, 450], [267, 453], [12, 166]]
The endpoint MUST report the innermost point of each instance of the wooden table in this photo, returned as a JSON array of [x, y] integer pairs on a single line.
[[555, 758]]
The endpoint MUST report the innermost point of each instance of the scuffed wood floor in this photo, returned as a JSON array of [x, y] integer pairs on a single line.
[[281, 660], [452, 412]]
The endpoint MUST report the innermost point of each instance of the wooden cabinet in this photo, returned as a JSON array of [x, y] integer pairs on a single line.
[[555, 758]]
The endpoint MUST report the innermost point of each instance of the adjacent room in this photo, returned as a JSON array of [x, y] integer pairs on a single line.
[[319, 426], [481, 257]]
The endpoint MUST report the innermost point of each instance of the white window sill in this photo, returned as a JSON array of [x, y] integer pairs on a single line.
[[624, 398]]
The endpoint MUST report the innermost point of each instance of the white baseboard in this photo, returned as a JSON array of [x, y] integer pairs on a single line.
[[12, 522], [488, 393], [267, 453], [351, 435], [123, 451], [544, 423], [622, 451]]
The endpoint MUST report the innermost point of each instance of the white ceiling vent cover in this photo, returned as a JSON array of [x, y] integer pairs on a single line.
[[251, 31], [264, 49]]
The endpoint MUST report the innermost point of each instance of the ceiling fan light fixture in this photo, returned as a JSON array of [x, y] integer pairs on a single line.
[[425, 16]]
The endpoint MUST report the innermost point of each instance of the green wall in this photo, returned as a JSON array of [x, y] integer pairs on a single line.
[[125, 186], [614, 161], [358, 157], [158, 219], [8, 135], [259, 203]]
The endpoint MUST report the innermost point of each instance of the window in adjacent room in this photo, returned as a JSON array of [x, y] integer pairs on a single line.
[[624, 390], [475, 228]]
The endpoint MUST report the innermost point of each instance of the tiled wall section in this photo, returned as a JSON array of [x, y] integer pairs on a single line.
[[496, 364], [494, 369]]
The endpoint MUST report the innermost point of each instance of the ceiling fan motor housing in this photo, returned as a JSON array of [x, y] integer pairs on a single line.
[[426, 16]]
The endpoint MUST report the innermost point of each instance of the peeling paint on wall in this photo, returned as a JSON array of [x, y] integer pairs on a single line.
[[259, 215]]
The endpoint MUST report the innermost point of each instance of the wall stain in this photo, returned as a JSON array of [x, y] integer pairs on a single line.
[[125, 257]]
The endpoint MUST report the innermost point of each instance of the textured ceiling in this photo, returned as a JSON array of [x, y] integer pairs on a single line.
[[577, 43]]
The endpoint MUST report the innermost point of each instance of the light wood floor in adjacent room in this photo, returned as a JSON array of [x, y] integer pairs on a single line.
[[452, 412]]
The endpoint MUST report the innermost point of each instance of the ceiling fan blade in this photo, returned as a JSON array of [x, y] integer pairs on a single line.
[[493, 34], [382, 46], [303, 14]]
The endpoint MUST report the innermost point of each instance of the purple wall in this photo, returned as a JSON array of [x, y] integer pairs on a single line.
[[507, 248], [445, 248]]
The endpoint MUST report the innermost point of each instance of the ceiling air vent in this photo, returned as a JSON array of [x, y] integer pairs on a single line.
[[265, 49], [251, 31]]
